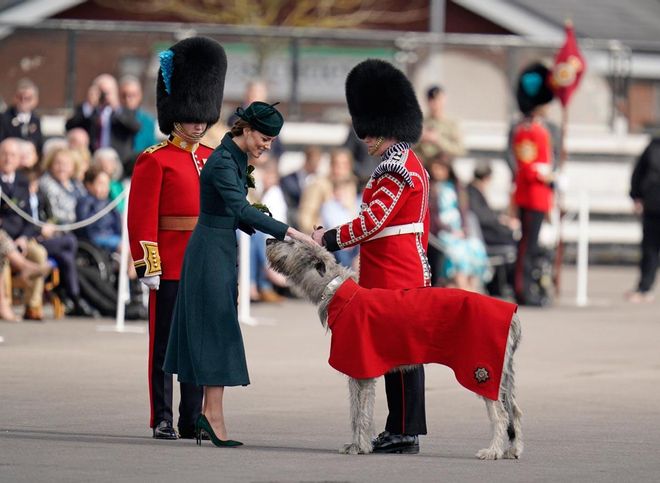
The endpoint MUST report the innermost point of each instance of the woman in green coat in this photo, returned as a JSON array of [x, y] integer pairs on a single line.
[[205, 345]]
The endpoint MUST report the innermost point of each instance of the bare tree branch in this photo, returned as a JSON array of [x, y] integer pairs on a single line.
[[301, 13]]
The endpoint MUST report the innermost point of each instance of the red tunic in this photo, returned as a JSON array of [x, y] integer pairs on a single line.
[[165, 182], [397, 194], [532, 148], [376, 330]]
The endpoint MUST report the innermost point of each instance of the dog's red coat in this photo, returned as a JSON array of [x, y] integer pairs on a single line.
[[375, 330]]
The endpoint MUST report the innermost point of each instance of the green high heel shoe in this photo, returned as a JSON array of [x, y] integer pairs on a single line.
[[203, 424]]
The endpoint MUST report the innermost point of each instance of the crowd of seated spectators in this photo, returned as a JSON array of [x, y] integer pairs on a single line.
[[63, 180]]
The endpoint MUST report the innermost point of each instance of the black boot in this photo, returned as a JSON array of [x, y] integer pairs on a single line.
[[387, 442], [164, 430]]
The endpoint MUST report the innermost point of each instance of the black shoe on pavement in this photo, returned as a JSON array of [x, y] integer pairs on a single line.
[[387, 442], [164, 430]]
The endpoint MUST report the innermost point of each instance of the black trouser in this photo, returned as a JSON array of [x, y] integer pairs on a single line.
[[161, 305], [435, 262], [648, 265], [405, 401], [63, 249], [528, 245]]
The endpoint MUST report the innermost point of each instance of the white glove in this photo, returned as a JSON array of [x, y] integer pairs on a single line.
[[152, 282], [561, 181]]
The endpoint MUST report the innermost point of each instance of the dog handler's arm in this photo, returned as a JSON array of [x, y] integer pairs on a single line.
[[390, 195]]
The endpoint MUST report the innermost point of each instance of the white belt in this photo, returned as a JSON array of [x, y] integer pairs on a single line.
[[399, 230]]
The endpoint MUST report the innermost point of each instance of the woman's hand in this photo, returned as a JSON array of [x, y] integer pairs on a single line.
[[48, 231], [298, 235]]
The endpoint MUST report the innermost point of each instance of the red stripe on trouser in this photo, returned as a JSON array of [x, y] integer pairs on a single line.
[[520, 262], [152, 337], [403, 404]]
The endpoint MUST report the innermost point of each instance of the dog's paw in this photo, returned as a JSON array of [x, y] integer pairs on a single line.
[[353, 448], [366, 449], [511, 454], [489, 454]]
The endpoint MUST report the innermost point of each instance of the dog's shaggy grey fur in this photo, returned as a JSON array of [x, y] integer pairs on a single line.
[[313, 273]]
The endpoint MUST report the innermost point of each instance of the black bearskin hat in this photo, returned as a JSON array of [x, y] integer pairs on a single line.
[[191, 81], [382, 102], [533, 88]]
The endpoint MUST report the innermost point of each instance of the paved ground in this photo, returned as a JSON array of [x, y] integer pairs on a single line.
[[73, 404]]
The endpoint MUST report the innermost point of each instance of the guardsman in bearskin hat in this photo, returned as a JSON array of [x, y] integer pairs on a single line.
[[532, 150], [164, 205], [393, 225]]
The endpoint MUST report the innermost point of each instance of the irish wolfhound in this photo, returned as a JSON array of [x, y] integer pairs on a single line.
[[313, 273]]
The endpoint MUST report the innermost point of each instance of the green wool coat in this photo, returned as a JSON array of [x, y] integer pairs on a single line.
[[205, 345]]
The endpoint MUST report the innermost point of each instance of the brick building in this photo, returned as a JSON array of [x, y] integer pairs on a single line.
[[63, 62]]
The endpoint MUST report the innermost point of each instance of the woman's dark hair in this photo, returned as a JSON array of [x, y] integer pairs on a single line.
[[33, 173], [239, 125], [447, 160], [91, 174], [434, 91], [444, 159], [482, 171]]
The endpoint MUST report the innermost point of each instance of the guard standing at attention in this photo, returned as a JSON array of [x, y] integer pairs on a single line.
[[532, 149], [164, 205]]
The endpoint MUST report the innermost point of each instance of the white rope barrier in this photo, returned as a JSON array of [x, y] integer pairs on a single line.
[[66, 226]]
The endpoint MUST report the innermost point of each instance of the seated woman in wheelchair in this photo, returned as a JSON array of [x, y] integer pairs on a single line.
[[105, 233]]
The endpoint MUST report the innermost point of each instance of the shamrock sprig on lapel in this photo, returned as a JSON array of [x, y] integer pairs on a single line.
[[251, 183]]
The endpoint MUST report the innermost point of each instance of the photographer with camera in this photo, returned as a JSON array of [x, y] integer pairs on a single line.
[[106, 121]]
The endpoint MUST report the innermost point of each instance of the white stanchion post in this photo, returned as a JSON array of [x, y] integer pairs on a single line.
[[123, 293], [122, 289], [582, 250], [244, 280]]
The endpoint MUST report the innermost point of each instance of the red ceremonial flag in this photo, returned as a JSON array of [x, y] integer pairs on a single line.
[[569, 67]]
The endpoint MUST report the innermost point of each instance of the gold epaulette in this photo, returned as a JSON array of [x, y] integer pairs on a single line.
[[150, 262], [155, 147]]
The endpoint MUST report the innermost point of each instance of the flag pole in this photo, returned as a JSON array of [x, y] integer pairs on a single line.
[[567, 72]]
